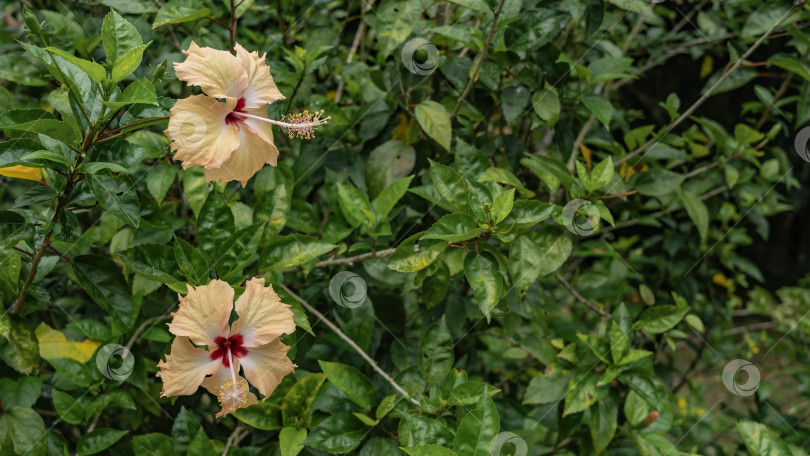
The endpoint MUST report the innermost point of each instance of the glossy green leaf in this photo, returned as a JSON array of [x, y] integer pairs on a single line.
[[358, 387], [292, 250], [101, 278], [118, 196], [436, 352], [483, 273], [477, 429], [98, 440], [435, 121], [179, 11]]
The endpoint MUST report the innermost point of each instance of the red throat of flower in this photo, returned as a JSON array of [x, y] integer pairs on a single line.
[[234, 117], [232, 344]]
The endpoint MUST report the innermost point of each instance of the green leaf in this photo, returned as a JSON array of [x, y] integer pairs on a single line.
[[358, 387], [214, 225], [697, 211], [469, 393], [637, 6], [450, 185], [551, 171], [27, 431], [524, 263], [191, 262], [658, 319], [483, 273], [341, 432], [553, 249], [388, 162], [407, 258], [185, 428], [546, 104], [290, 439], [435, 121], [603, 423], [118, 196], [42, 122], [292, 250], [436, 352], [69, 409], [21, 348], [600, 107], [428, 450], [264, 415], [760, 440], [601, 175], [526, 213], [657, 182], [23, 392], [502, 205], [98, 440], [513, 102], [179, 11], [477, 429], [355, 206], [159, 180], [273, 208], [792, 64], [583, 392], [421, 430], [238, 250], [389, 196], [140, 91], [454, 228], [118, 36], [128, 63], [101, 278], [93, 69], [154, 444], [298, 400], [547, 388], [153, 261]]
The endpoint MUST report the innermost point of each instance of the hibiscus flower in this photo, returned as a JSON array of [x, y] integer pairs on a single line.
[[232, 139], [252, 342]]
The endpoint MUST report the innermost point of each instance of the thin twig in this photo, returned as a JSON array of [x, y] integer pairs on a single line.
[[479, 59], [711, 90], [348, 260], [137, 334], [353, 345], [239, 433], [358, 36], [581, 298]]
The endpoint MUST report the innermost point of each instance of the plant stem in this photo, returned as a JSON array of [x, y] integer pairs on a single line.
[[479, 59], [581, 298], [353, 345]]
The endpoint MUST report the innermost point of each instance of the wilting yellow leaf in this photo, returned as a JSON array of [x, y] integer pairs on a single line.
[[706, 66], [404, 125], [53, 344], [22, 172], [586, 154], [722, 280]]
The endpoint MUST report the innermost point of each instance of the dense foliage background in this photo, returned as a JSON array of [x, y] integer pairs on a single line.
[[552, 224]]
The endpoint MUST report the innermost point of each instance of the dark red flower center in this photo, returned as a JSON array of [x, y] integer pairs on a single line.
[[234, 117], [233, 343]]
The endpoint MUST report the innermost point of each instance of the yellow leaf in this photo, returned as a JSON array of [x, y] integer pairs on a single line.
[[586, 154], [706, 66], [53, 344], [22, 172], [404, 125], [722, 280]]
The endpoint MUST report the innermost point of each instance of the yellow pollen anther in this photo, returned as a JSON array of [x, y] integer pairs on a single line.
[[303, 124], [233, 395]]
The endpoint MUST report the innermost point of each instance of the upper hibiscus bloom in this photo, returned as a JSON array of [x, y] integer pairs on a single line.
[[252, 341], [231, 139]]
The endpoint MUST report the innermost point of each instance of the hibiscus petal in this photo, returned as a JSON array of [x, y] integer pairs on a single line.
[[222, 377], [262, 315], [266, 366], [253, 153], [261, 89], [203, 313], [220, 74], [198, 131], [185, 368]]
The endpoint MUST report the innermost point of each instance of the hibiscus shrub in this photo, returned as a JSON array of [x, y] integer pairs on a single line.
[[406, 227]]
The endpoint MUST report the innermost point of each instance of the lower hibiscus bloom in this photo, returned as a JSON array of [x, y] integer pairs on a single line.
[[252, 343]]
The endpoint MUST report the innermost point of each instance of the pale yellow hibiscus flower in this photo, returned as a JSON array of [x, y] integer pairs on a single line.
[[232, 139], [252, 342]]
